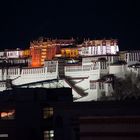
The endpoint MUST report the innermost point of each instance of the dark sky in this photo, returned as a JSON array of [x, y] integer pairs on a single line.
[[25, 20]]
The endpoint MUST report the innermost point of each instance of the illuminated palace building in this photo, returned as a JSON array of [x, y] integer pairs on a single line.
[[88, 67]]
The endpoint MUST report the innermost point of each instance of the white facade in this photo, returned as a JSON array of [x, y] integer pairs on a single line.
[[85, 79], [131, 57], [89, 79], [82, 77], [99, 47], [13, 53], [118, 70], [28, 75]]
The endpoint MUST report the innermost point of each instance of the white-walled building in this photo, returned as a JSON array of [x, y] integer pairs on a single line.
[[119, 69], [12, 53], [90, 76], [130, 57], [98, 47]]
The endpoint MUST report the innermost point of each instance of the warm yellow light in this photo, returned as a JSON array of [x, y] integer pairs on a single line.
[[4, 114]]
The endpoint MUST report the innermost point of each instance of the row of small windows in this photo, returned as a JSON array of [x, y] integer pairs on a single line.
[[110, 59], [97, 50], [72, 53], [94, 50], [134, 56], [13, 54], [13, 71], [78, 68], [33, 71], [103, 65], [23, 61], [93, 85], [27, 71], [73, 69]]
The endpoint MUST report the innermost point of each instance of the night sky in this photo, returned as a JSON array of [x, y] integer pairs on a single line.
[[22, 21]]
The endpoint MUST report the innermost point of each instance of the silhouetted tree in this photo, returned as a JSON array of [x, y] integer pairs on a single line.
[[126, 88]]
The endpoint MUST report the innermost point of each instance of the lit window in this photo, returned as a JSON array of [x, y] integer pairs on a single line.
[[7, 115], [47, 112], [3, 135], [49, 135]]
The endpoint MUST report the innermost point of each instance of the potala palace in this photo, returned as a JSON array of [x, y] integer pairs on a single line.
[[88, 67]]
